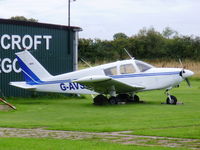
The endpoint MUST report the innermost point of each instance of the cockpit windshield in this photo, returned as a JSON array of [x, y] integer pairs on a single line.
[[142, 66]]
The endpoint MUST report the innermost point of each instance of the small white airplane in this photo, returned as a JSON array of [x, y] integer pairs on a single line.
[[112, 83]]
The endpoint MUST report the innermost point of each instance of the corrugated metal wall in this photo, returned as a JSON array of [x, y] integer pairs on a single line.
[[48, 43]]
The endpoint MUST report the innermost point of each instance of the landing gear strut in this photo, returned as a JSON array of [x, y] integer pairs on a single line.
[[170, 98]]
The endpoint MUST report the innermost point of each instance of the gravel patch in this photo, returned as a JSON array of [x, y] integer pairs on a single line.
[[5, 108], [122, 137]]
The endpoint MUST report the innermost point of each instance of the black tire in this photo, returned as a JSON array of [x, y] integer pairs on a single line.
[[123, 97], [113, 100], [173, 100], [134, 99], [100, 100]]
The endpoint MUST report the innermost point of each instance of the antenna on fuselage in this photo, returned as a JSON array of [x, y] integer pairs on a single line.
[[128, 54], [85, 62]]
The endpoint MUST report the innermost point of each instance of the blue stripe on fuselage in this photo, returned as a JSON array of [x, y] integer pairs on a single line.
[[144, 74], [115, 77], [51, 82]]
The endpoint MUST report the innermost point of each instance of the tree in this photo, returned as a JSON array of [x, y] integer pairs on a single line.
[[147, 44], [120, 36], [22, 18], [168, 32]]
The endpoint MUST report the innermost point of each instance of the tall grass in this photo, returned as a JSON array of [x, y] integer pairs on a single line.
[[187, 64]]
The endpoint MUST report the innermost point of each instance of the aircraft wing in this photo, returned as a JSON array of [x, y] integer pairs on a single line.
[[22, 85], [105, 84]]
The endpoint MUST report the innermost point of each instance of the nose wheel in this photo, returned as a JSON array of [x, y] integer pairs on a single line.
[[170, 98]]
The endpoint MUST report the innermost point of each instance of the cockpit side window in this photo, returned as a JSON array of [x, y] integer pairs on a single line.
[[110, 71], [127, 69], [143, 66]]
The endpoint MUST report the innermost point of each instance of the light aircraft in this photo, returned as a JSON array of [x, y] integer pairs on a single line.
[[114, 82]]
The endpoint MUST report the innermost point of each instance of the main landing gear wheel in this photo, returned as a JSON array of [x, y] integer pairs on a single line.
[[123, 97], [134, 99], [100, 100], [171, 100], [113, 100]]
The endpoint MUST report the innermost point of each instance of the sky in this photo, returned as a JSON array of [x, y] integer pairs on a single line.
[[103, 18]]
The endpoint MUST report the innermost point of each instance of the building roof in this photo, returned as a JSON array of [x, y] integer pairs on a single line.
[[36, 24]]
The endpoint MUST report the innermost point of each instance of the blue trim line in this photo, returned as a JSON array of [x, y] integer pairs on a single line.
[[144, 74], [32, 79], [49, 82], [29, 76]]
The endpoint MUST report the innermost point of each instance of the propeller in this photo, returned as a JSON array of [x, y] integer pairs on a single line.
[[188, 82], [182, 72]]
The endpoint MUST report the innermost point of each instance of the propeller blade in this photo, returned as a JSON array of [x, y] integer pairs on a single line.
[[180, 62], [182, 71], [188, 82]]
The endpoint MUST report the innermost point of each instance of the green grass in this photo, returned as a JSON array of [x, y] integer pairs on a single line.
[[55, 144], [150, 118]]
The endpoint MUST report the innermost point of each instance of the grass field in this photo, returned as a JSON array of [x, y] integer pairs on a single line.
[[150, 118], [55, 144], [78, 114]]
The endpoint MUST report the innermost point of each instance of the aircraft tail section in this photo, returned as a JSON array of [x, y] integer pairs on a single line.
[[32, 70], [23, 85]]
